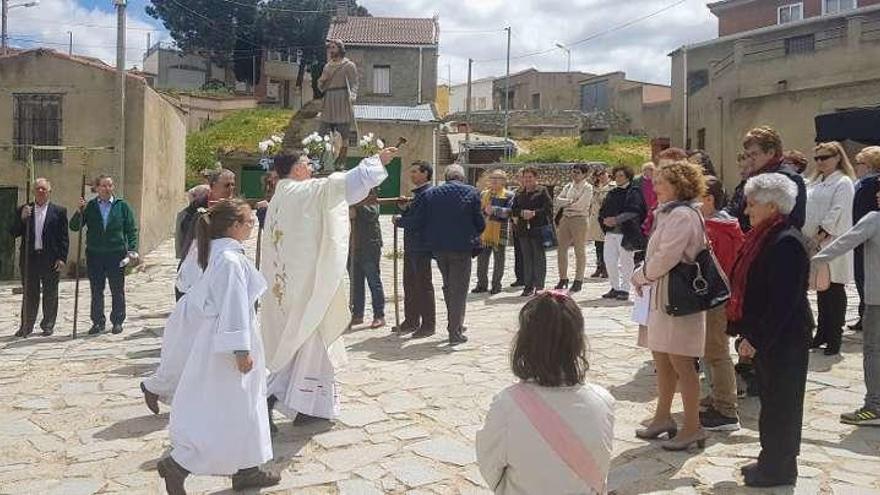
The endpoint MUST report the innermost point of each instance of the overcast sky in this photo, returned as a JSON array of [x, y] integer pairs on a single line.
[[468, 29]]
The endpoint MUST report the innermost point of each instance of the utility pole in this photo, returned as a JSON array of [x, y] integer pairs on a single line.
[[149, 41], [70, 43], [5, 13], [567, 53], [507, 101], [120, 89], [467, 135]]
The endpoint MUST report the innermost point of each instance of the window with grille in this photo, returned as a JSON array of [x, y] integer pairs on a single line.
[[36, 120], [791, 13], [800, 44], [382, 80], [536, 101], [837, 6], [482, 105]]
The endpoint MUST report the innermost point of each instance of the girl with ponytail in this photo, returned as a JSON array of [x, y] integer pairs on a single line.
[[219, 420]]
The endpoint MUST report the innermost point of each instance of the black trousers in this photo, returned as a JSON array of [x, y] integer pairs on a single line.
[[455, 266], [782, 374], [517, 258], [600, 254], [104, 268], [41, 277], [418, 291], [534, 261], [859, 266], [832, 315]]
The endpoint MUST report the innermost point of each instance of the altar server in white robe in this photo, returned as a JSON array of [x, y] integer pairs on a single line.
[[219, 422], [177, 338], [306, 309]]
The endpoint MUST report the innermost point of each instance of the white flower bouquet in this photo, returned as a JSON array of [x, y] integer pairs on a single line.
[[317, 146], [370, 145], [272, 145]]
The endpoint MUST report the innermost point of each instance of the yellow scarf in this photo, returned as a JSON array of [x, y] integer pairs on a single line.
[[491, 237]]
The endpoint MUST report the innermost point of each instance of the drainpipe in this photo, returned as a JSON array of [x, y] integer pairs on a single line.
[[685, 88], [420, 75]]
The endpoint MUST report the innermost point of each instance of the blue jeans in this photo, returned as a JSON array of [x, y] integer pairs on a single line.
[[366, 269], [103, 268]]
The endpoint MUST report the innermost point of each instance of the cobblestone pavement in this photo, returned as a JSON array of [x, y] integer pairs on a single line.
[[72, 420]]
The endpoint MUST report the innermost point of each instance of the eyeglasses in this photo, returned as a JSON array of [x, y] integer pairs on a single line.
[[823, 158]]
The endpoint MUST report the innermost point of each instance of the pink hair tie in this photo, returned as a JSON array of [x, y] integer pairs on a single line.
[[559, 295]]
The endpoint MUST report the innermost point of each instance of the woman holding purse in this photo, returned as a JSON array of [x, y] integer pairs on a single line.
[[829, 215], [674, 341], [532, 207]]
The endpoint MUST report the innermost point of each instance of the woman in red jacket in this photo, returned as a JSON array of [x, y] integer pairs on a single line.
[[726, 238]]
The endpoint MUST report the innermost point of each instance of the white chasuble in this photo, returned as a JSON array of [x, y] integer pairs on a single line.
[[306, 309]]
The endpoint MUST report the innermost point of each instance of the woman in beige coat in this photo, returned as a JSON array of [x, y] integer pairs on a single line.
[[675, 341]]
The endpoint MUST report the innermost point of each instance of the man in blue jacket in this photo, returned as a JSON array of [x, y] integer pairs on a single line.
[[450, 219], [419, 312]]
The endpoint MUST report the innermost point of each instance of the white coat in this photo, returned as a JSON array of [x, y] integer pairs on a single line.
[[829, 207], [514, 457]]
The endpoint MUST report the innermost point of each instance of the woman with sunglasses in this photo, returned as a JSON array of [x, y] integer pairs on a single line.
[[829, 215]]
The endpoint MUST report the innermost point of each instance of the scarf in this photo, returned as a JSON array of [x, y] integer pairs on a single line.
[[491, 236], [755, 241]]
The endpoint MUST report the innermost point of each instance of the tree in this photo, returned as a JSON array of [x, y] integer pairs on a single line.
[[232, 32]]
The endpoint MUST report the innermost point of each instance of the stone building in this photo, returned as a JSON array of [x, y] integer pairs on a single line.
[[50, 98], [644, 106], [482, 96], [737, 16], [171, 68], [784, 76], [532, 89], [396, 57]]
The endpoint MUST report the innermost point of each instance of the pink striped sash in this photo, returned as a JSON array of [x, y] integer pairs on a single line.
[[560, 436]]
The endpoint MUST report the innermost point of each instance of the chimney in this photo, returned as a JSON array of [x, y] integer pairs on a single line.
[[341, 11]]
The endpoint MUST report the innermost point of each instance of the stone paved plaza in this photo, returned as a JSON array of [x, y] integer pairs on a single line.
[[72, 420]]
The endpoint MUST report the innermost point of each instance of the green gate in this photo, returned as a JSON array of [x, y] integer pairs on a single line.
[[388, 189], [8, 203]]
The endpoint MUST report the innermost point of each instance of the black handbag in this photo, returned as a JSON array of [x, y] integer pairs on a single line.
[[697, 286]]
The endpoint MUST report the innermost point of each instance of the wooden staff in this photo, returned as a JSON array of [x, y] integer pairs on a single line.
[[79, 241], [30, 180], [396, 298]]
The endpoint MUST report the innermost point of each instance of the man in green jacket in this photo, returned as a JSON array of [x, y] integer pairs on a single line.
[[111, 242]]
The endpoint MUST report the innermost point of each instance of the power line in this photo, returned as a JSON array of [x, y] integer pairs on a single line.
[[592, 36], [210, 23], [78, 24]]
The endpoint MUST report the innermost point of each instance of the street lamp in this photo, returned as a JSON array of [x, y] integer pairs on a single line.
[[568, 54], [5, 13]]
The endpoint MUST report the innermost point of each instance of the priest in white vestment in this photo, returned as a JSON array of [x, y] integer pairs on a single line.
[[306, 309]]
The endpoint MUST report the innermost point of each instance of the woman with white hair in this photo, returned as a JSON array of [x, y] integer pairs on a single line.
[[769, 310], [830, 195]]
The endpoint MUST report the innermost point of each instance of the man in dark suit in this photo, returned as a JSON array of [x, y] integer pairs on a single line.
[[46, 253], [418, 289], [452, 220]]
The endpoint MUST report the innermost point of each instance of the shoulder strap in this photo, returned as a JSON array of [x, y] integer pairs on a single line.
[[559, 436]]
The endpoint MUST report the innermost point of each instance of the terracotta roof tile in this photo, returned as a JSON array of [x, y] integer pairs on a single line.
[[385, 31]]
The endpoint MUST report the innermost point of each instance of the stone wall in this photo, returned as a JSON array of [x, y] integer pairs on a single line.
[[404, 63], [523, 123]]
